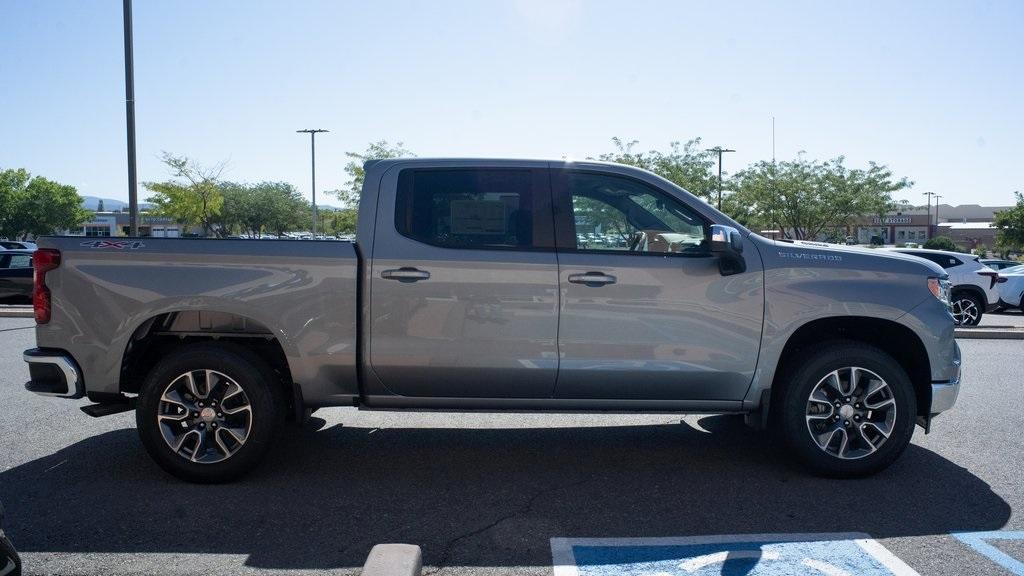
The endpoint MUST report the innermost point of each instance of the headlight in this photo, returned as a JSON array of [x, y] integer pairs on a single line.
[[940, 288]]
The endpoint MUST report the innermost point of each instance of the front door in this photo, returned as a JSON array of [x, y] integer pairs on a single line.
[[464, 283], [646, 313]]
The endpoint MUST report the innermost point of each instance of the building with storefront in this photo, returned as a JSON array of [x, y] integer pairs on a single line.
[[969, 225], [105, 224], [897, 228]]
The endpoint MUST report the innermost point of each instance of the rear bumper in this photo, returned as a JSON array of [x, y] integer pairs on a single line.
[[53, 373]]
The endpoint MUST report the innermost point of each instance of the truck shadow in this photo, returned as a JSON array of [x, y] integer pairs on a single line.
[[473, 497]]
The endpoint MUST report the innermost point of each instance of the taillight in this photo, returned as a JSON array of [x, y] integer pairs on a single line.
[[43, 260], [993, 277]]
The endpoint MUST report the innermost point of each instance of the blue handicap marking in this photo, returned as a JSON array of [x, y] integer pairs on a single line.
[[979, 541], [727, 555]]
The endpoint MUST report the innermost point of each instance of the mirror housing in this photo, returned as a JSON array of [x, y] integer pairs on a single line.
[[727, 244]]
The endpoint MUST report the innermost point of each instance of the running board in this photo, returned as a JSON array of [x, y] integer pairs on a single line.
[[108, 409]]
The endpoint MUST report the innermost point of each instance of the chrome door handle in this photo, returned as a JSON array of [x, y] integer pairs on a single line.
[[405, 274], [592, 279]]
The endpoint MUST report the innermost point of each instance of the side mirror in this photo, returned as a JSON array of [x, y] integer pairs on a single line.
[[727, 244]]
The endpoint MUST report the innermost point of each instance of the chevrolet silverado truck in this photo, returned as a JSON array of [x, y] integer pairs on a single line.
[[498, 285]]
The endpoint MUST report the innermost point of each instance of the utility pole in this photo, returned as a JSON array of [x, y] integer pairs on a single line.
[[719, 149], [929, 195], [129, 102], [312, 140]]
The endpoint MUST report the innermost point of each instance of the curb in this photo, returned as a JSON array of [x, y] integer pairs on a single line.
[[16, 312]]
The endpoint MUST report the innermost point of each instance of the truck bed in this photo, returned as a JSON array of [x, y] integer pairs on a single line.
[[301, 294]]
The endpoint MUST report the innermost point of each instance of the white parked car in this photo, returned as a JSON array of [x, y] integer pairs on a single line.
[[17, 245], [974, 289], [1012, 290]]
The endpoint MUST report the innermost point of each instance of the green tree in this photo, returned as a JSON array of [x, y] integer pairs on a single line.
[[340, 221], [805, 199], [286, 209], [37, 206], [1011, 226], [252, 209], [941, 243], [686, 165], [379, 150], [192, 197]]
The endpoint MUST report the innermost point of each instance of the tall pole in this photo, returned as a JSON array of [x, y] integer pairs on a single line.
[[719, 149], [929, 195], [937, 212], [129, 102], [312, 141]]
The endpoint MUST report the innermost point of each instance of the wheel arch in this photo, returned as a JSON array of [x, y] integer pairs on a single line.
[[889, 336], [163, 332], [972, 290]]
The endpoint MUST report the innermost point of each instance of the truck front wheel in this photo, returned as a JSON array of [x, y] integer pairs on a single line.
[[208, 412], [848, 410]]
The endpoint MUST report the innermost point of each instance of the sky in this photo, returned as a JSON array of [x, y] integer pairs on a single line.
[[934, 90]]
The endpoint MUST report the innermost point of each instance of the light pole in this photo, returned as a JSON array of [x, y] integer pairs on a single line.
[[937, 212], [719, 149], [129, 103], [929, 195], [312, 141]]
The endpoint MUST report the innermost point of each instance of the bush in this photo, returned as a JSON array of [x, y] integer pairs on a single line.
[[941, 243], [877, 241]]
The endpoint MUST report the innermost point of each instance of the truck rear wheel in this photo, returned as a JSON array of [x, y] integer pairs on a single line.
[[208, 412], [849, 410]]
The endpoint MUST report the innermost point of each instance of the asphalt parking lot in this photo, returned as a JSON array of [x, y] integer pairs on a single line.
[[484, 493]]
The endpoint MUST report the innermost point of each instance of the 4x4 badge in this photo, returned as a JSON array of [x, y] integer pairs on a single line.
[[115, 244]]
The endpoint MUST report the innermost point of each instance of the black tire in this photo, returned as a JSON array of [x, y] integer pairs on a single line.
[[790, 410], [262, 390], [10, 564], [974, 301]]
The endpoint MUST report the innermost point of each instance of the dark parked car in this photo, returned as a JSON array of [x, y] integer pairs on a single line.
[[996, 264], [15, 275], [10, 564]]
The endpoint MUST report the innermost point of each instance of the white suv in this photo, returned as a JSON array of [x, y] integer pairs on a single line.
[[974, 284]]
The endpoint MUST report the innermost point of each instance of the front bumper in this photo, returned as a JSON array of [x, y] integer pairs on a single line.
[[53, 373], [944, 393]]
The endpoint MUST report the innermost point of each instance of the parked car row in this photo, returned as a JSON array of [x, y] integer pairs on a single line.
[[15, 276], [977, 288]]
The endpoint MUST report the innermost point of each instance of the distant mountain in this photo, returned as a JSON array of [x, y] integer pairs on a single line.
[[109, 204]]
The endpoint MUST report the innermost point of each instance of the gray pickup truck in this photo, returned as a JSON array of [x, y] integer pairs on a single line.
[[498, 285]]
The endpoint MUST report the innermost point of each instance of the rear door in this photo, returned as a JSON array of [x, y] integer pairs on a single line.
[[646, 313], [464, 281]]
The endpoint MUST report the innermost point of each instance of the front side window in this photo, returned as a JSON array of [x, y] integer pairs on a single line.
[[474, 208], [621, 214]]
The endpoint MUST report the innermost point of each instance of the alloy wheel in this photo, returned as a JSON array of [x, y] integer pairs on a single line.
[[965, 312], [204, 416], [851, 412]]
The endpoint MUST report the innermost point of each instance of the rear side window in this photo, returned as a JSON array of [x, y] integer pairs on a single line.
[[940, 259], [475, 208], [20, 261]]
